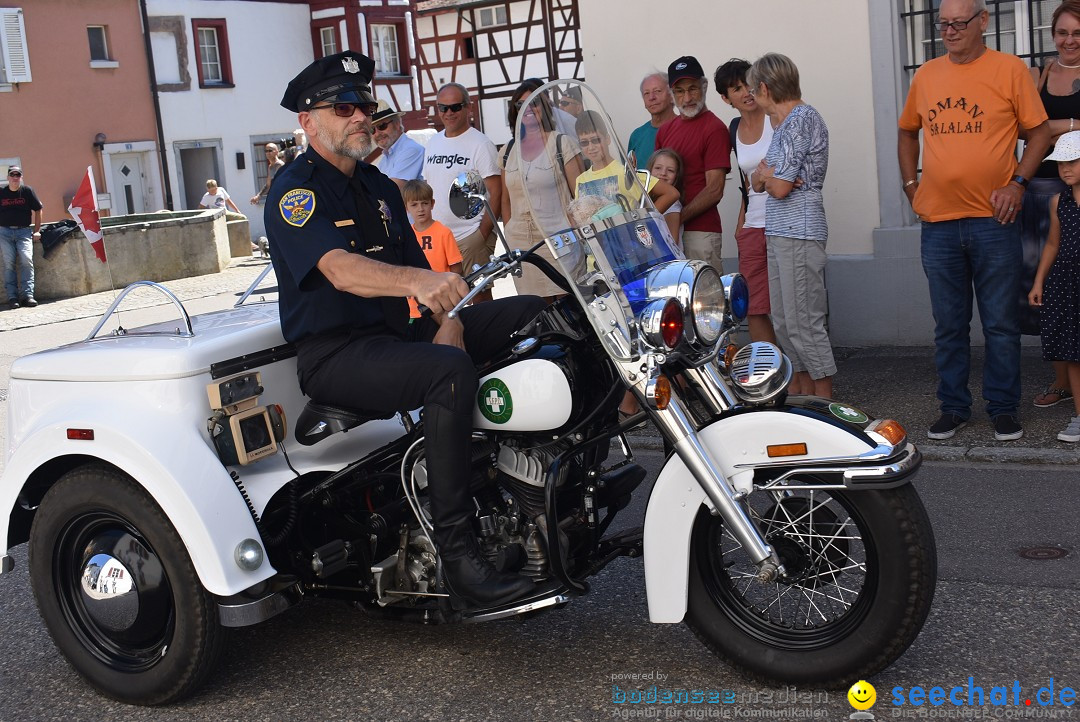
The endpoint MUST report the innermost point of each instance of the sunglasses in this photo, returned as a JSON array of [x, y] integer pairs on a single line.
[[383, 125], [586, 142], [452, 108], [346, 110], [14, 175], [566, 101]]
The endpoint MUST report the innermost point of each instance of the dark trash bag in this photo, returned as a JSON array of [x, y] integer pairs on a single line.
[[53, 235]]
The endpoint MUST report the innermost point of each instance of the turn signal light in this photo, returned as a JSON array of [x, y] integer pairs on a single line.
[[671, 323], [80, 434], [892, 431], [776, 450], [729, 354], [662, 391]]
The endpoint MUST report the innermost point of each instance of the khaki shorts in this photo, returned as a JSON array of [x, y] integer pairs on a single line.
[[476, 250], [704, 246]]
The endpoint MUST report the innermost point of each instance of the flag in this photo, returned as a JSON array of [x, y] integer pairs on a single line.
[[84, 210]]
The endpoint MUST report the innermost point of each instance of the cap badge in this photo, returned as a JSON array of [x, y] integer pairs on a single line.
[[351, 66], [297, 206], [681, 66]]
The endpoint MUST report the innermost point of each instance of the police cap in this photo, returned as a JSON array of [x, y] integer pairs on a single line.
[[344, 77]]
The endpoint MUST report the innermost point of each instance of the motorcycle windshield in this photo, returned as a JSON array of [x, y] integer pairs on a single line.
[[591, 204]]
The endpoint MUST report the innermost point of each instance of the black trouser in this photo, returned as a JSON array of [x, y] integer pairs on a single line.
[[386, 372]]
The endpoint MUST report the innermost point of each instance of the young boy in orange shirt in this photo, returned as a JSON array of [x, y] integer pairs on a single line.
[[436, 240]]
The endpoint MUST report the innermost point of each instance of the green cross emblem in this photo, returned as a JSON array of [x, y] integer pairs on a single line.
[[495, 402]]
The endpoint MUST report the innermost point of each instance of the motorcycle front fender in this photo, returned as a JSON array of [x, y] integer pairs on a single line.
[[737, 443]]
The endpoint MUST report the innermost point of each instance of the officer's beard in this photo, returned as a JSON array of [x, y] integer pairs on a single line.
[[351, 146]]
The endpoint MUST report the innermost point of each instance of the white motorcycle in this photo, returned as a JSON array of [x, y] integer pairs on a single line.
[[166, 499]]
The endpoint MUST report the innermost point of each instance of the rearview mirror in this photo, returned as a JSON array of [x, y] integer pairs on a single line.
[[468, 194]]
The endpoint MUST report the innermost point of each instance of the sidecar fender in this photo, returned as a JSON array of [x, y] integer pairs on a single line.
[[179, 471], [735, 443]]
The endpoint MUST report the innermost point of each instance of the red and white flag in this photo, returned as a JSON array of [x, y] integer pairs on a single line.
[[84, 210]]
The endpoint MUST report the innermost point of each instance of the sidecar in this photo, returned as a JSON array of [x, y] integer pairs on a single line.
[[115, 475]]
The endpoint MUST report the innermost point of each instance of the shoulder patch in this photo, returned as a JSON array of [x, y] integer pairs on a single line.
[[297, 206]]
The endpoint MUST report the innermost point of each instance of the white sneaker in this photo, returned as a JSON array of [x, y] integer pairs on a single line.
[[1071, 433]]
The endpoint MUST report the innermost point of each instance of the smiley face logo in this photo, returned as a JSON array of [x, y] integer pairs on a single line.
[[862, 695]]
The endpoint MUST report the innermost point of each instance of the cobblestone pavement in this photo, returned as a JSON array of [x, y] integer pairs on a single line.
[[236, 278]]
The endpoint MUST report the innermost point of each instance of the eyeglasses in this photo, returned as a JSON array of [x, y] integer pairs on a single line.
[[346, 110], [451, 108], [956, 25], [383, 125], [586, 142], [753, 91], [1063, 34], [15, 175]]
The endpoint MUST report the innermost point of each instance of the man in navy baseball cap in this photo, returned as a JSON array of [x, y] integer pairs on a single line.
[[685, 67]]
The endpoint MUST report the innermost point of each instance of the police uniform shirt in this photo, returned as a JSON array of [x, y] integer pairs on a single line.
[[314, 208]]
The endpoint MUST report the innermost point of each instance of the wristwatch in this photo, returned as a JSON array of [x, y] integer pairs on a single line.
[[1020, 181], [909, 183]]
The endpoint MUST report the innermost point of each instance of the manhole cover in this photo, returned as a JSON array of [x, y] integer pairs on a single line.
[[1043, 553]]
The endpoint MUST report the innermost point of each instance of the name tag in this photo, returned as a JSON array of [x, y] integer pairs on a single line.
[[342, 224]]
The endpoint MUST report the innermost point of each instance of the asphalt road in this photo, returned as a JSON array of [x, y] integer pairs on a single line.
[[997, 617]]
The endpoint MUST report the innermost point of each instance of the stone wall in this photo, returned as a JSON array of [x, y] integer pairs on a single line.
[[144, 247]]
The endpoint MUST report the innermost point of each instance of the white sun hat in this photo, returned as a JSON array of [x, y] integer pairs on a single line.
[[1067, 147]]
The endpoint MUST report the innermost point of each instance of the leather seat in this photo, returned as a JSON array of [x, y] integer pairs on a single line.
[[318, 421]]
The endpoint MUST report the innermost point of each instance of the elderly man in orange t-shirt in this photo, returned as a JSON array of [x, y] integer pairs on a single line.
[[971, 105]]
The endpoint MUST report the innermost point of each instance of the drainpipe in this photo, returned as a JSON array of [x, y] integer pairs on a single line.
[[157, 106]]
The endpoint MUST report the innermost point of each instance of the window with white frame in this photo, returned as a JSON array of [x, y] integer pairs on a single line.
[[212, 52], [490, 17], [328, 38], [384, 49], [1020, 27], [14, 57]]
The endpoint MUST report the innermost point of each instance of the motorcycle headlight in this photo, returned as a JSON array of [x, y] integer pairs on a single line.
[[707, 304], [737, 294]]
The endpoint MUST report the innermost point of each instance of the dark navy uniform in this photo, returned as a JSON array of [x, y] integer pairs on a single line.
[[365, 353]]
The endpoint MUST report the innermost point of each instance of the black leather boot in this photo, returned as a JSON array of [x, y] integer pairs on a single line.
[[468, 576]]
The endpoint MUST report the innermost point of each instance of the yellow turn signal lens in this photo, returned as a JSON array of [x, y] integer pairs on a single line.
[[729, 355], [662, 392], [892, 431], [786, 450]]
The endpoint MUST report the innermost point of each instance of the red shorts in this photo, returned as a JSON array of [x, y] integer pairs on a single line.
[[754, 266]]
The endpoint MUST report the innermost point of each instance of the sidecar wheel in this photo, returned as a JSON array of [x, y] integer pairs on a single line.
[[118, 592], [860, 575]]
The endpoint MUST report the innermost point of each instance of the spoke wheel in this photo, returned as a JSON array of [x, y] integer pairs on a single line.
[[859, 577], [118, 592]]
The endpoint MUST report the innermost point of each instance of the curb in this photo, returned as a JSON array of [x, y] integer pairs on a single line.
[[953, 454]]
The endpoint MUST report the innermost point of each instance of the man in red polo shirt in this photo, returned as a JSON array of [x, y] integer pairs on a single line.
[[703, 141]]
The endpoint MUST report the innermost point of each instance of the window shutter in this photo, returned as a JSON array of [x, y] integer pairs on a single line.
[[13, 46]]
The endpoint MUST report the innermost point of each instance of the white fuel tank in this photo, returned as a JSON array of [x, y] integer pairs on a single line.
[[530, 395]]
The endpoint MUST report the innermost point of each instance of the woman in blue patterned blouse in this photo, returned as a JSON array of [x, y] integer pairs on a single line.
[[792, 173]]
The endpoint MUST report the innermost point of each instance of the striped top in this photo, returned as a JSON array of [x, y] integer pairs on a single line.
[[799, 149]]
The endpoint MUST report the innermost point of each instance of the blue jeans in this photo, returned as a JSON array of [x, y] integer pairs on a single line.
[[984, 254], [17, 249]]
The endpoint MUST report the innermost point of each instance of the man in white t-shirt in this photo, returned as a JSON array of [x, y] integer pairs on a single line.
[[457, 149], [217, 197]]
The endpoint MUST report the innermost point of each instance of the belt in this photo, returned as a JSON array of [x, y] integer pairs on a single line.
[[17, 228]]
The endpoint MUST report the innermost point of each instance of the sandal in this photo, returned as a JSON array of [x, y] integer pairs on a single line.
[[1043, 401]]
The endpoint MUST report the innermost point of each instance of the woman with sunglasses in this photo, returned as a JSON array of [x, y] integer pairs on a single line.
[[531, 166], [17, 203], [274, 164]]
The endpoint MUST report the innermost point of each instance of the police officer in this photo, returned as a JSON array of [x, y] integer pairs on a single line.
[[346, 259]]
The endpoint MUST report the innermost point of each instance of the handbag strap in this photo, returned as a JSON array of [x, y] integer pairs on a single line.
[[1044, 74]]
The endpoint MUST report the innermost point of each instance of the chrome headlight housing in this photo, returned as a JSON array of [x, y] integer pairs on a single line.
[[759, 373], [737, 295], [708, 302], [703, 294]]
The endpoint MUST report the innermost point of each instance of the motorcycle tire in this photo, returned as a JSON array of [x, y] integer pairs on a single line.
[[118, 592], [861, 568]]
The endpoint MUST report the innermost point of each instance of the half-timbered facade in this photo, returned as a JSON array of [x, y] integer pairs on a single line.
[[490, 47], [383, 30]]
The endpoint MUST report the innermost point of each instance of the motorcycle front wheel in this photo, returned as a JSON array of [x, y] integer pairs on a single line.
[[860, 572]]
